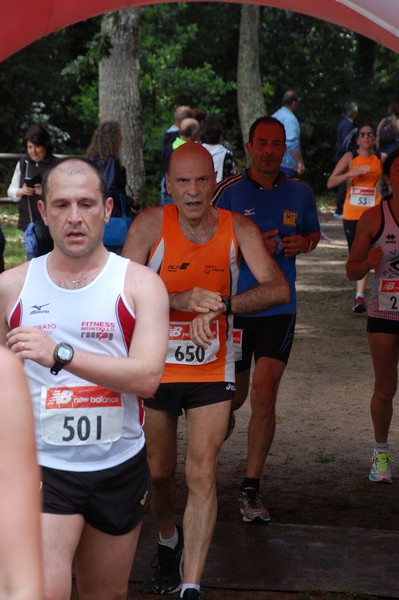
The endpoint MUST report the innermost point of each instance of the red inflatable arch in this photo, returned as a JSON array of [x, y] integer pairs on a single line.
[[23, 21]]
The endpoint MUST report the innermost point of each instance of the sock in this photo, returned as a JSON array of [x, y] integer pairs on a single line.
[[381, 446], [186, 586], [250, 482], [170, 542], [359, 294]]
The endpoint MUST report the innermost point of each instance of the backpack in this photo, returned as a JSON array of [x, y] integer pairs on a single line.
[[387, 133]]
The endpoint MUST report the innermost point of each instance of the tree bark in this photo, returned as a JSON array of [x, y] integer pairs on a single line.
[[250, 101], [119, 94]]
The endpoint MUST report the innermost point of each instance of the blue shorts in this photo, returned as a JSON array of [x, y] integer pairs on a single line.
[[176, 397], [113, 500], [270, 337]]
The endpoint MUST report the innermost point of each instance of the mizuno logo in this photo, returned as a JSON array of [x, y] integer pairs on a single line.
[[39, 309], [40, 306], [249, 212]]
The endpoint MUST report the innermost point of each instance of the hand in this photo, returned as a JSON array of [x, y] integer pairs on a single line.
[[295, 244], [196, 300], [374, 256], [360, 170], [38, 189], [270, 240], [300, 167], [27, 191], [200, 330], [32, 343]]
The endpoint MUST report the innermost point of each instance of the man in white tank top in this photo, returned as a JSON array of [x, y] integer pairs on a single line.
[[92, 328]]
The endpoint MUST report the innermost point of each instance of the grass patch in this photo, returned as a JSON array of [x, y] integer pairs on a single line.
[[14, 253]]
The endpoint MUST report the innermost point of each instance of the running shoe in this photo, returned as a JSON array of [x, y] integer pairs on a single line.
[[360, 305], [168, 567], [191, 594], [380, 471], [251, 506]]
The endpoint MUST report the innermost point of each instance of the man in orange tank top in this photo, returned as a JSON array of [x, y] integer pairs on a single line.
[[194, 247]]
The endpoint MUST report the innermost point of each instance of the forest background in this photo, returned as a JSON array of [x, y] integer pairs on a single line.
[[188, 54]]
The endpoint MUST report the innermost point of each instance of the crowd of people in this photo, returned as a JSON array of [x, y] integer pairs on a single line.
[[116, 348]]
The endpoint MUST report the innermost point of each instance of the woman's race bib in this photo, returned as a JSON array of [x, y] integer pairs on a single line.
[[362, 196]]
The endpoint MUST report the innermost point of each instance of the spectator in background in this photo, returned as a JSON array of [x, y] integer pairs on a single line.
[[25, 188], [388, 131], [212, 137], [346, 131], [104, 151], [199, 114], [181, 112], [189, 131], [292, 163]]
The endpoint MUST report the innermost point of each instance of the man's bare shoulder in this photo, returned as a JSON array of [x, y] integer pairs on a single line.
[[14, 277], [143, 234], [148, 222], [142, 283], [11, 283]]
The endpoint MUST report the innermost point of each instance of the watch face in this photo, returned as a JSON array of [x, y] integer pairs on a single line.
[[64, 353]]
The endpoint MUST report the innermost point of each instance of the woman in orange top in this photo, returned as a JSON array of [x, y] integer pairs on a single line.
[[362, 170]]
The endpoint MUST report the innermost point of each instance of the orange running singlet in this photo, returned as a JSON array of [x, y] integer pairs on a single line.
[[182, 266]]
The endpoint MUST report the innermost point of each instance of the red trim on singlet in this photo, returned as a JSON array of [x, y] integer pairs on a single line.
[[126, 321], [16, 317]]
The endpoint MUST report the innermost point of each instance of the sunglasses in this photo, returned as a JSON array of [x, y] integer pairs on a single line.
[[369, 134]]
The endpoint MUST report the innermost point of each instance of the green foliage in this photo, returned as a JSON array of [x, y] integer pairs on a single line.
[[189, 56]]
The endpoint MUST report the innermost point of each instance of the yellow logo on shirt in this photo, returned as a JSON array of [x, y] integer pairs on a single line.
[[289, 218]]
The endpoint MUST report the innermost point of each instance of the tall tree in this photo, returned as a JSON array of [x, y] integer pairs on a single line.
[[251, 103], [119, 94]]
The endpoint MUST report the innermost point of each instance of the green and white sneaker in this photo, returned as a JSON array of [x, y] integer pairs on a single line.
[[380, 471]]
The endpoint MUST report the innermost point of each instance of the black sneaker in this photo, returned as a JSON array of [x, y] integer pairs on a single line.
[[168, 568], [191, 594]]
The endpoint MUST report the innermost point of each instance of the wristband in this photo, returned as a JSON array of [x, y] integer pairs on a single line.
[[310, 244], [227, 302]]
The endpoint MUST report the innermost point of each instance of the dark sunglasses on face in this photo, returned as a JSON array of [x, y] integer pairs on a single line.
[[366, 134]]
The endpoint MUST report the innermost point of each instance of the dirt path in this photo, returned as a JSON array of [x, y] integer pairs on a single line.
[[317, 470]]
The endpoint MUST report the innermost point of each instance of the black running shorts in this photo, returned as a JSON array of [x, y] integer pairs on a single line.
[[270, 337], [112, 500], [376, 325], [176, 397]]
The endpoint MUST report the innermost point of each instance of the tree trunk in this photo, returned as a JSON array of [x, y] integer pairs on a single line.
[[119, 94], [251, 104]]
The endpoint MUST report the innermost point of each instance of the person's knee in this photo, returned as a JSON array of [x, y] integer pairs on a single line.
[[385, 392], [161, 469], [200, 471]]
